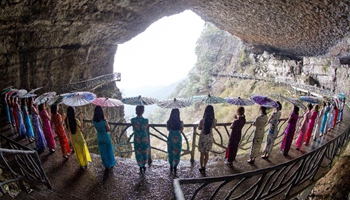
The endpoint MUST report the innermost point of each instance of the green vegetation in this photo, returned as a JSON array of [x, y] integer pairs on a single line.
[[244, 60], [325, 68]]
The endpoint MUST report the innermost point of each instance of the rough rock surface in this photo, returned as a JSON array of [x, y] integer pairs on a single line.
[[49, 43]]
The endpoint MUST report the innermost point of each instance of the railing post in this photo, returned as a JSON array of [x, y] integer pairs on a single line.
[[193, 143], [149, 150]]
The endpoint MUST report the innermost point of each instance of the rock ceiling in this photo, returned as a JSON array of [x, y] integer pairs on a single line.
[[41, 35]]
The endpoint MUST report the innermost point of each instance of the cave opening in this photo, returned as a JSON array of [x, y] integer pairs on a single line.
[[158, 58]]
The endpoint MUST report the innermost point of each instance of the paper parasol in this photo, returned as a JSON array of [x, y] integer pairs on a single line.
[[107, 102], [78, 98], [174, 103]]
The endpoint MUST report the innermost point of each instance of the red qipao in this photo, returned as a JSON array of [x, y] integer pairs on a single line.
[[61, 133], [51, 143], [336, 111], [235, 138]]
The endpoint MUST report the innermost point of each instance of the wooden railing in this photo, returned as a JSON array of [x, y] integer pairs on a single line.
[[21, 163]]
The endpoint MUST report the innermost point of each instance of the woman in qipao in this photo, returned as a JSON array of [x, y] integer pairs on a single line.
[[48, 133], [175, 128], [21, 127], [205, 142], [74, 126], [290, 130], [311, 124], [259, 124], [273, 131], [304, 125], [141, 139], [40, 141], [323, 129], [27, 121], [60, 132], [235, 136], [104, 142]]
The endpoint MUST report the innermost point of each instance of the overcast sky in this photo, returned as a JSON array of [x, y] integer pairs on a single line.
[[161, 55]]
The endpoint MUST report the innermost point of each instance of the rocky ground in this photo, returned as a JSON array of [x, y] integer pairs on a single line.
[[336, 183]]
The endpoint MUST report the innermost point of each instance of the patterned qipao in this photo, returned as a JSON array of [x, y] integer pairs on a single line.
[[141, 140]]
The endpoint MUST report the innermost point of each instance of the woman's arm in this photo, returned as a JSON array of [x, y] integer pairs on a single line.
[[34, 110], [80, 124], [233, 123], [47, 115], [108, 128], [271, 117], [254, 122], [214, 123], [200, 125]]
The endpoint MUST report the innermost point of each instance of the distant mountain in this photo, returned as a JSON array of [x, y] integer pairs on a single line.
[[158, 92]]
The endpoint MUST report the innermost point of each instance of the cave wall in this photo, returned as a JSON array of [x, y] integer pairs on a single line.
[[49, 43]]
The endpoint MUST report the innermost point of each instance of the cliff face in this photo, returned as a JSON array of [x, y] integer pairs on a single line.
[[326, 73]]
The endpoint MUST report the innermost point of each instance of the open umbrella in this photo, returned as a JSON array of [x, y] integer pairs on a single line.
[[11, 92], [288, 100], [341, 96], [208, 99], [279, 97], [44, 97], [239, 101], [264, 101], [336, 100], [139, 101], [309, 99], [78, 98], [34, 90], [28, 95], [174, 103], [7, 89], [107, 102], [57, 99], [21, 93], [296, 103]]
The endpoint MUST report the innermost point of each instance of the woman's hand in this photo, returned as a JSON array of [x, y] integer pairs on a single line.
[[81, 116]]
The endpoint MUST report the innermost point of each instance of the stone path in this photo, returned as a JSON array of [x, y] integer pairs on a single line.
[[124, 182]]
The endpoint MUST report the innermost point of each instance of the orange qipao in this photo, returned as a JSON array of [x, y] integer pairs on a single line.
[[61, 133]]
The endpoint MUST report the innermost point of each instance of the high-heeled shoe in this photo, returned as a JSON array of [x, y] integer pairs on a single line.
[[251, 160]]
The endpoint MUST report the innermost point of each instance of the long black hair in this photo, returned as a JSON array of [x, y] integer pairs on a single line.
[[70, 120], [309, 106], [279, 105], [174, 122], [53, 109], [30, 104], [98, 114], [263, 110], [296, 109], [139, 110], [24, 104], [41, 106], [209, 118]]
